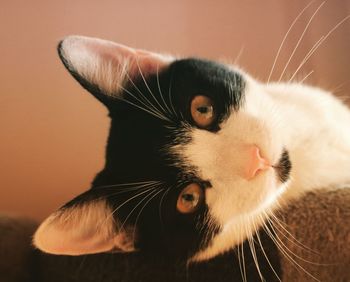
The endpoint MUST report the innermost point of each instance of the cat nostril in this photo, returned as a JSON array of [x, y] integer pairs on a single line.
[[255, 163]]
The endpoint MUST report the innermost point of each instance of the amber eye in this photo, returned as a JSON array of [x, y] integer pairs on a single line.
[[190, 198], [202, 111]]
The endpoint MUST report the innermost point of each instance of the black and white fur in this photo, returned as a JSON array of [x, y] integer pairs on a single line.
[[155, 149]]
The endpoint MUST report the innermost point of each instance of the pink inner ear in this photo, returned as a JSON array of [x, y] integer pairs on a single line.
[[84, 229], [148, 63], [143, 60], [108, 64]]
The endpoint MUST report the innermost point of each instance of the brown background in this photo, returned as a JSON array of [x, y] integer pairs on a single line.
[[53, 133]]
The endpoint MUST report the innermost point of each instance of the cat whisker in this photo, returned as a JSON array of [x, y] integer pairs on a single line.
[[149, 104], [170, 94], [300, 39], [287, 249], [306, 76], [148, 88], [285, 253], [160, 91], [317, 45], [284, 39], [161, 202], [149, 107], [344, 98], [240, 256], [263, 251], [143, 207], [307, 56], [240, 52], [272, 237], [253, 251], [240, 262], [243, 258], [115, 193], [124, 191], [127, 201], [337, 90], [134, 184], [110, 192], [292, 239], [139, 203], [146, 108], [150, 112]]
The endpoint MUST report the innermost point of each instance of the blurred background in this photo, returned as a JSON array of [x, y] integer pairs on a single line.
[[53, 133]]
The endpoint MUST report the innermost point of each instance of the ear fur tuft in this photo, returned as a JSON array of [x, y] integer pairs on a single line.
[[82, 229], [103, 67]]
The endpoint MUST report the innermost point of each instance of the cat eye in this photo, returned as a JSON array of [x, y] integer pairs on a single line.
[[190, 198], [202, 111]]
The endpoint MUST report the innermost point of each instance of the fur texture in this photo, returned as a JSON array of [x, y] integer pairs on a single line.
[[156, 149]]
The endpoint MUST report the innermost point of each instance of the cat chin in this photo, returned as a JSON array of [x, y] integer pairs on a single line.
[[241, 227]]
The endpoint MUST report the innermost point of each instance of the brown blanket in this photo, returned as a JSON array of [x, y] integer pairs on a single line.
[[314, 233]]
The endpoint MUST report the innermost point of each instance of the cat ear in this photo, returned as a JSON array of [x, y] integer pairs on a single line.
[[103, 67], [83, 228]]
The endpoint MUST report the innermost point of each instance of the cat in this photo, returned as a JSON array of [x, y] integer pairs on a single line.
[[199, 153]]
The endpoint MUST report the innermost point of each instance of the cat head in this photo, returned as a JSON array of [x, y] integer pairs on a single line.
[[194, 157]]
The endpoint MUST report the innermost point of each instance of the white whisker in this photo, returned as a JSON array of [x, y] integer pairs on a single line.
[[146, 84], [155, 113], [287, 256], [139, 203], [263, 251], [160, 91], [238, 55], [126, 201], [273, 218], [306, 76], [146, 102], [284, 39], [139, 214], [141, 108], [161, 202], [253, 252], [240, 262], [170, 96], [288, 249], [300, 39], [244, 267], [317, 45], [115, 192], [143, 183]]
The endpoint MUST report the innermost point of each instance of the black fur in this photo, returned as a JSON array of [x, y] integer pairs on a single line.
[[138, 150], [284, 167]]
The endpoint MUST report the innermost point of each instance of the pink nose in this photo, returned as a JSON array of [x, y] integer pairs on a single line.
[[255, 163]]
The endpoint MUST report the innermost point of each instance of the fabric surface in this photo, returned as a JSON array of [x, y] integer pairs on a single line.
[[321, 224], [314, 233], [17, 260]]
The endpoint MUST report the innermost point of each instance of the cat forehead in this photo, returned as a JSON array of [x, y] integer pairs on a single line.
[[196, 74]]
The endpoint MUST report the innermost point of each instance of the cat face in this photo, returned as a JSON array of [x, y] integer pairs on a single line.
[[195, 156]]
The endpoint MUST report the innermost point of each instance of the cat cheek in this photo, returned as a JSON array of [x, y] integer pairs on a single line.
[[83, 229]]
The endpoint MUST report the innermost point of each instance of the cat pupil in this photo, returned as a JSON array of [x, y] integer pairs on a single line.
[[204, 109], [188, 197]]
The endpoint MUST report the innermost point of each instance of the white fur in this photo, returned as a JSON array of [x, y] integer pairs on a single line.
[[311, 124], [98, 61], [108, 64], [84, 229]]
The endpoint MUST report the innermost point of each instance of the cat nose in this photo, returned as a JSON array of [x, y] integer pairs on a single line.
[[255, 163]]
